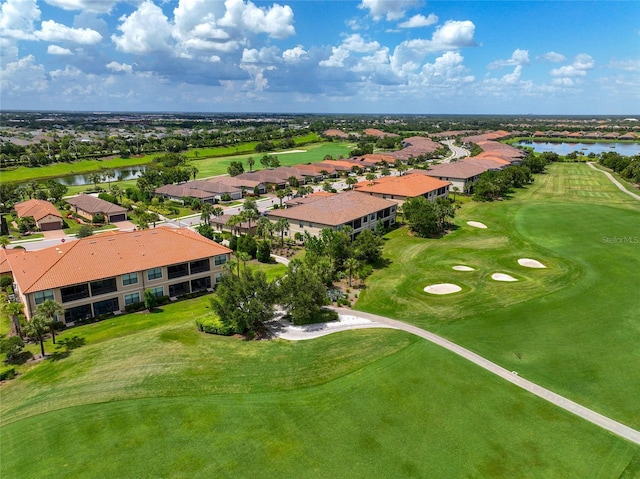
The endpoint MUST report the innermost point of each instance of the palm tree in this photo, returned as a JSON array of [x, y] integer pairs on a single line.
[[205, 213], [231, 266], [370, 178], [263, 227], [14, 310], [351, 181], [233, 222], [249, 215], [250, 163], [36, 328], [95, 179], [50, 309], [351, 265], [244, 257], [117, 192], [194, 171], [4, 242], [217, 211], [108, 175], [455, 190], [281, 226]]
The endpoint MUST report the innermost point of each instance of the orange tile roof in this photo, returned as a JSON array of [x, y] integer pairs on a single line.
[[409, 186], [104, 256], [339, 165], [37, 209], [334, 210]]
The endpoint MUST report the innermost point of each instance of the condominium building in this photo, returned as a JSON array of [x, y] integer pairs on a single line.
[[104, 273]]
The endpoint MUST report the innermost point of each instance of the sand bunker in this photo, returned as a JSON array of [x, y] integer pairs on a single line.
[[477, 224], [463, 268], [530, 263], [443, 288], [502, 277]]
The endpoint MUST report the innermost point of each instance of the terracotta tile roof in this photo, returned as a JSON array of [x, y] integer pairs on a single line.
[[378, 133], [197, 189], [179, 191], [307, 199], [372, 159], [103, 256], [5, 267], [338, 133], [409, 186], [460, 170], [334, 210], [235, 181], [37, 209], [93, 205], [338, 165], [415, 146], [316, 169]]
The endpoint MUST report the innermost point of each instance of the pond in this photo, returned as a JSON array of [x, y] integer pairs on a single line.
[[624, 149], [130, 173]]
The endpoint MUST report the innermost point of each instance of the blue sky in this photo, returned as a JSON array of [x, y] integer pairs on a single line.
[[364, 56]]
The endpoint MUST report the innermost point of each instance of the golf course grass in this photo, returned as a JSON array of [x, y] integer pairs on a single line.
[[574, 326], [149, 396]]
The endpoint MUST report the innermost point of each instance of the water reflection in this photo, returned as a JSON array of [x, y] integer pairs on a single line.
[[122, 174], [624, 149]]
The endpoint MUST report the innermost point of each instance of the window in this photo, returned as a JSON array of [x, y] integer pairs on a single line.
[[131, 298], [372, 216], [42, 296], [218, 278], [199, 266], [365, 219], [178, 270], [105, 307], [301, 224], [220, 259], [200, 284], [72, 293], [179, 289], [157, 292], [77, 313], [103, 286], [129, 278], [155, 273]]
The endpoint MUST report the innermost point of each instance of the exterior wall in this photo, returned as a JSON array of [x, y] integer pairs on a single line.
[[431, 196], [368, 221], [143, 283]]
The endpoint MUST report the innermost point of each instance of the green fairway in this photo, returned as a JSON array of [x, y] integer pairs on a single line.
[[160, 399], [573, 327], [149, 396]]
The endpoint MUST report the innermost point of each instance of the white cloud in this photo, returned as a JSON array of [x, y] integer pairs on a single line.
[[418, 21], [294, 54], [23, 76], [454, 34], [276, 21], [626, 65], [552, 57], [389, 9], [514, 76], [352, 43], [448, 67], [57, 50], [264, 55], [55, 32], [17, 18], [518, 58], [146, 30], [99, 6], [119, 67], [581, 64]]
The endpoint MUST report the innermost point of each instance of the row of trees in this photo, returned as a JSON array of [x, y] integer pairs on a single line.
[[626, 166], [426, 218], [497, 184]]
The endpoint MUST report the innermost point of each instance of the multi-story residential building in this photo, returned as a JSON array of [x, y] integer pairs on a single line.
[[104, 273], [401, 188], [316, 212]]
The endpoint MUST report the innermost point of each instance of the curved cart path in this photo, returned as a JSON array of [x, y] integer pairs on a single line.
[[615, 182], [313, 331]]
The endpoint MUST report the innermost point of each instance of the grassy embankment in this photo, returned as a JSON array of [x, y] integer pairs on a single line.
[[573, 327]]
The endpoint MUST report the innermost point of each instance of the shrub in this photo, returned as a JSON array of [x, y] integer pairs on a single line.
[[264, 252], [130, 308], [5, 282], [7, 373], [213, 325], [162, 300], [233, 243]]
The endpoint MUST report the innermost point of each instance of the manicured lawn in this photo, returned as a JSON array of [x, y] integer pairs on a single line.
[[160, 399], [573, 327]]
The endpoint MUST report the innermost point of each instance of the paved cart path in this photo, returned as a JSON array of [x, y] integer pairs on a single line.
[[615, 182], [360, 319]]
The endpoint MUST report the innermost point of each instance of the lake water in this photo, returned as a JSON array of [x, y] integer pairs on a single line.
[[130, 173], [624, 149]]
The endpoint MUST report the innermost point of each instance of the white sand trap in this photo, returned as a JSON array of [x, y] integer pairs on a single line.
[[290, 151], [463, 268], [502, 277], [477, 224], [530, 263], [443, 288]]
